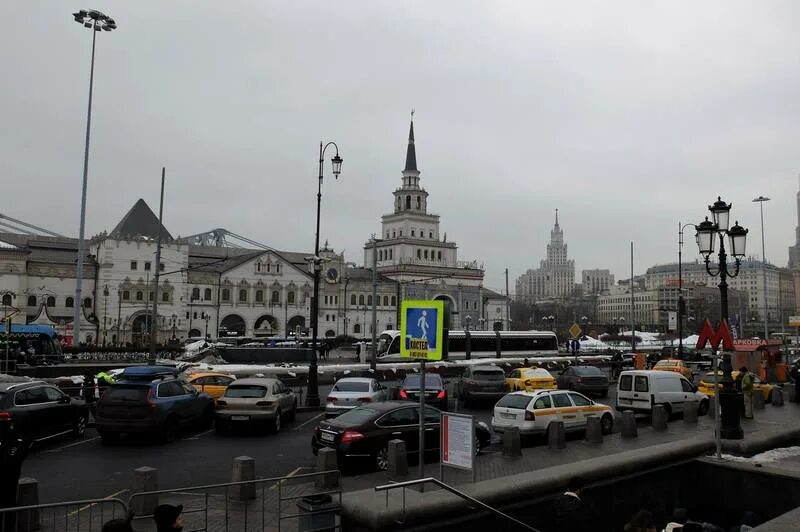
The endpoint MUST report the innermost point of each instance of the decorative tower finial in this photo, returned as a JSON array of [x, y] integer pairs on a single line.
[[411, 152], [556, 217]]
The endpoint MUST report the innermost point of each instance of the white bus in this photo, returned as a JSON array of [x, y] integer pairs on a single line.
[[483, 344]]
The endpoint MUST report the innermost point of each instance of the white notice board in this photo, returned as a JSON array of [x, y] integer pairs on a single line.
[[458, 439]]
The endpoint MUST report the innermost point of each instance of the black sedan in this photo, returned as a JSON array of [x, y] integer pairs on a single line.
[[435, 391], [584, 379], [364, 432]]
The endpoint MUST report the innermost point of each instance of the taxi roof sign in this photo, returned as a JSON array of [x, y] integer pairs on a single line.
[[421, 329]]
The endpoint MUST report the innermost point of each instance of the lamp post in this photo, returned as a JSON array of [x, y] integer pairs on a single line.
[[312, 397], [105, 312], [206, 317], [95, 21], [174, 320], [681, 302], [707, 233], [760, 200]]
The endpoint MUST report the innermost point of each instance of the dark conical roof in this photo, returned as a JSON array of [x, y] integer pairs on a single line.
[[411, 153], [140, 222]]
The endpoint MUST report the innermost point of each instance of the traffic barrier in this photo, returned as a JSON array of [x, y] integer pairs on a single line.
[[758, 400], [28, 495], [556, 438], [594, 430], [512, 444], [145, 479], [244, 469], [398, 459], [690, 412], [327, 461], [628, 425], [659, 417], [87, 515], [777, 396]]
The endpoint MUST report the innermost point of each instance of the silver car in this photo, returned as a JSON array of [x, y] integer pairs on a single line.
[[255, 401], [351, 392]]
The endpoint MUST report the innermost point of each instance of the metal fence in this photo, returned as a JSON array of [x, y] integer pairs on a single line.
[[72, 516]]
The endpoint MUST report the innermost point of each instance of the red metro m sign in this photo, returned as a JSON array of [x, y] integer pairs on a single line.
[[721, 335]]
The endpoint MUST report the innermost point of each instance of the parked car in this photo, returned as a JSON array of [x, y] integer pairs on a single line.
[[584, 379], [262, 401], [365, 431], [151, 400], [435, 392], [214, 384], [40, 411], [676, 365], [639, 390], [481, 383], [530, 379], [533, 412], [708, 381], [351, 392]]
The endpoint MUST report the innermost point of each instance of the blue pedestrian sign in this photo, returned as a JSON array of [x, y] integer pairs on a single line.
[[422, 329]]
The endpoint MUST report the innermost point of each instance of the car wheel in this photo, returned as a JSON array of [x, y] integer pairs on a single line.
[[170, 431], [80, 426], [382, 459], [702, 408], [607, 423], [276, 424]]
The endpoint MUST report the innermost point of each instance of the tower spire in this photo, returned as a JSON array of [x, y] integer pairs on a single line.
[[411, 152], [556, 217]]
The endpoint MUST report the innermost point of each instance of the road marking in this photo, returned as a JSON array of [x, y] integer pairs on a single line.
[[306, 422], [198, 436], [293, 473], [82, 508], [72, 445]]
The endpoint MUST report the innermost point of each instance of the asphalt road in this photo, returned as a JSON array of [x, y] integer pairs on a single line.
[[87, 468]]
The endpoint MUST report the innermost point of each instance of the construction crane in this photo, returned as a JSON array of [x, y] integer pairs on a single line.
[[24, 227], [222, 238]]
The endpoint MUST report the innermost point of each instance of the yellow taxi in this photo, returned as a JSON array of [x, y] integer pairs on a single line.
[[530, 379], [676, 365], [533, 412], [214, 384], [707, 382]]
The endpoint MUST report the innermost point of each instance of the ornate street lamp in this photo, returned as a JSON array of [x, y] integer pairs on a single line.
[[707, 234]]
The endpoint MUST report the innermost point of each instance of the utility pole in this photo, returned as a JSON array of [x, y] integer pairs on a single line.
[[374, 360], [633, 323], [153, 321], [508, 305]]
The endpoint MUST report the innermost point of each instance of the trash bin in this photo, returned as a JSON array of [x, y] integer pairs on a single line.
[[317, 512]]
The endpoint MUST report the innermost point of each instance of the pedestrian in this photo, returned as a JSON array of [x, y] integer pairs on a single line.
[[747, 391], [642, 521], [795, 374], [525, 363], [13, 449], [168, 518], [119, 525], [569, 508]]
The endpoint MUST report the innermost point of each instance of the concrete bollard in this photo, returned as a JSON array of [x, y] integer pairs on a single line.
[[556, 438], [758, 400], [327, 460], [145, 479], [628, 427], [777, 396], [690, 412], [398, 459], [244, 470], [28, 495], [512, 444], [659, 417], [594, 431], [712, 407]]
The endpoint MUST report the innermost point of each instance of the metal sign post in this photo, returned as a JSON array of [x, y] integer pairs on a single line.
[[422, 418]]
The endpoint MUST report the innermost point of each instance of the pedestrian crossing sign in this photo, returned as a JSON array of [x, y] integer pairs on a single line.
[[422, 329]]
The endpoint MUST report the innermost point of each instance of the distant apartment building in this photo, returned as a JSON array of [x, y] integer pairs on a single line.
[[596, 281], [554, 278]]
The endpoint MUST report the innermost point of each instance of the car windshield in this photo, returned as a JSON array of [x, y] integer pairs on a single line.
[[588, 371], [489, 375], [432, 380], [351, 386], [515, 401], [711, 377], [666, 363], [537, 372], [126, 394], [245, 391], [356, 416]]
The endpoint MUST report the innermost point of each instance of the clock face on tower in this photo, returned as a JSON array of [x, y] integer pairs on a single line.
[[332, 275]]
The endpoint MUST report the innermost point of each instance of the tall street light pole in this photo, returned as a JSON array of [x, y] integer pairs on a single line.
[[707, 234], [681, 302], [312, 397], [760, 200], [95, 21]]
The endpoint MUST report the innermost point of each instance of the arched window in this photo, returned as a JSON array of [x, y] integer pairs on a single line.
[[51, 301], [7, 300], [87, 303], [243, 295], [408, 202], [419, 205], [357, 328], [226, 294], [391, 254], [139, 295], [290, 298], [426, 254], [207, 294], [195, 293], [352, 299], [387, 235], [385, 301], [31, 301], [165, 297], [419, 253], [259, 296], [361, 299], [151, 295], [393, 234], [412, 233], [394, 301], [276, 297], [369, 301], [126, 295], [430, 234], [439, 255]]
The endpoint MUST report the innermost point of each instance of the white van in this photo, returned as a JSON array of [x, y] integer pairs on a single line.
[[639, 390]]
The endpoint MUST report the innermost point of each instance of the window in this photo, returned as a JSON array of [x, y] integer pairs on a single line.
[[31, 301], [408, 202], [419, 253], [276, 297], [426, 254], [7, 300], [430, 234], [412, 232], [195, 293], [369, 300], [226, 294], [53, 394], [394, 301], [687, 386], [207, 294], [513, 400], [400, 417], [139, 295], [134, 265], [361, 299], [165, 297], [561, 400], [259, 296], [418, 203], [579, 400], [352, 299], [150, 296], [31, 396], [438, 255], [243, 296], [357, 329], [290, 298], [542, 402], [170, 389], [87, 303], [147, 266], [161, 267], [51, 301], [640, 384], [394, 234], [385, 301]]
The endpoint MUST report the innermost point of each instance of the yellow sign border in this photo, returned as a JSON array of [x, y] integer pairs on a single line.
[[432, 304]]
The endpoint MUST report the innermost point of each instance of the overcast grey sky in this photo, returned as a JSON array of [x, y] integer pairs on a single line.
[[628, 116]]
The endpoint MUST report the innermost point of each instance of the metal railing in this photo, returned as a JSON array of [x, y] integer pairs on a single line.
[[80, 516], [435, 481]]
